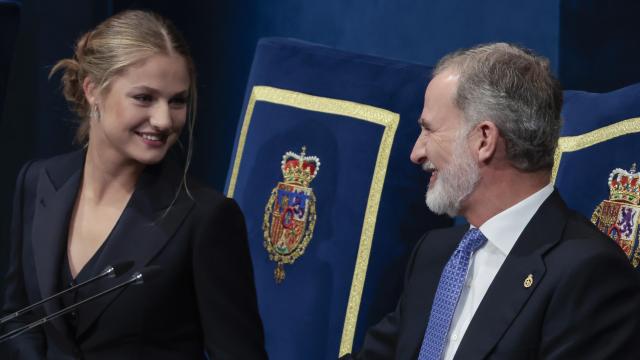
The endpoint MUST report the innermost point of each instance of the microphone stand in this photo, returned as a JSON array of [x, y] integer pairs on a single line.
[[136, 278], [109, 272]]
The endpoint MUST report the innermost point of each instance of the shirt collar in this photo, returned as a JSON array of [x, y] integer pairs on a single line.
[[503, 229]]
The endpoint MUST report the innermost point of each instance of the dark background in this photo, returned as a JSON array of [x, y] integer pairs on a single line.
[[592, 45]]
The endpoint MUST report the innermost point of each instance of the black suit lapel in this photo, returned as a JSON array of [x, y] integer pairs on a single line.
[[140, 234], [427, 278], [507, 294], [57, 189]]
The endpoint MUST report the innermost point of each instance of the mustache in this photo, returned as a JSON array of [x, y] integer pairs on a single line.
[[428, 166]]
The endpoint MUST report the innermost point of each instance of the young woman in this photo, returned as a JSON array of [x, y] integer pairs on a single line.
[[120, 198]]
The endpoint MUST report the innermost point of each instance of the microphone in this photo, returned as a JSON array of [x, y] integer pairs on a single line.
[[137, 278], [110, 271]]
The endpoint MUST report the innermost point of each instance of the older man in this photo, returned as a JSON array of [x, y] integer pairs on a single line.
[[528, 278]]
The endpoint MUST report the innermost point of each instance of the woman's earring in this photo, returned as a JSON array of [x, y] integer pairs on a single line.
[[95, 112]]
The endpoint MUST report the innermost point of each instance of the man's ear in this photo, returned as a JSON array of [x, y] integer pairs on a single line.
[[90, 90], [486, 140]]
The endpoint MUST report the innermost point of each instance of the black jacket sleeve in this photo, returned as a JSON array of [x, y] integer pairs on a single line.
[[225, 288], [30, 345]]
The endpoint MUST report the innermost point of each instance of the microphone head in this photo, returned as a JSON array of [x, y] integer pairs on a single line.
[[146, 274], [122, 267], [118, 269]]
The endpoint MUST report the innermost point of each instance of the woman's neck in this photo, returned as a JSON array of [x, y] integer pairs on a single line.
[[106, 177]]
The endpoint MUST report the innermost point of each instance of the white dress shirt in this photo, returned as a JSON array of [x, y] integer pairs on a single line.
[[501, 232]]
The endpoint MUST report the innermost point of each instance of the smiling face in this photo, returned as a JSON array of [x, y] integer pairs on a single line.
[[442, 149], [141, 113]]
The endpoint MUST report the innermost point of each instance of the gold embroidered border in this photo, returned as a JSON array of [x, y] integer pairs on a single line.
[[579, 142], [351, 109]]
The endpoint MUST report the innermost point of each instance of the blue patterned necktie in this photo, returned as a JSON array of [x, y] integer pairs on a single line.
[[447, 295]]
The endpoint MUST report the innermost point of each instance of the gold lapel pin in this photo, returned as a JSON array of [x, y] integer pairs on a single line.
[[528, 281]]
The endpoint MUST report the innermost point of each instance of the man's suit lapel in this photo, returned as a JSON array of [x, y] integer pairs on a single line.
[[57, 188], [507, 294], [141, 233], [440, 250]]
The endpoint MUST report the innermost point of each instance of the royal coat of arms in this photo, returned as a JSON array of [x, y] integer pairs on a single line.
[[618, 216], [290, 214]]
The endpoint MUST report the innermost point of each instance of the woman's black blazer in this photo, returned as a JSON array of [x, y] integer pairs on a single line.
[[202, 300]]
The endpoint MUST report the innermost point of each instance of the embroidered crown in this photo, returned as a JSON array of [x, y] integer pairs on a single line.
[[625, 185], [299, 169]]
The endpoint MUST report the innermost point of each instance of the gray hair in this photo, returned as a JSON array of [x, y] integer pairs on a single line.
[[515, 89]]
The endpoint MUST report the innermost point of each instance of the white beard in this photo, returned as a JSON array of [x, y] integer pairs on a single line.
[[453, 183]]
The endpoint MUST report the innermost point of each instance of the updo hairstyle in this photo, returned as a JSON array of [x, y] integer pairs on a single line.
[[118, 43]]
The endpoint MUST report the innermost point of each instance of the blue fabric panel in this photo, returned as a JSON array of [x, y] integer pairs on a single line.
[[584, 111], [302, 304], [304, 315], [583, 174]]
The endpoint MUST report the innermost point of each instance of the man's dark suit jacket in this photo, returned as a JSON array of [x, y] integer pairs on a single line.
[[584, 302], [203, 298]]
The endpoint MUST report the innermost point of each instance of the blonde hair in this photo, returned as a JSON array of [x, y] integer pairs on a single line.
[[118, 43]]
